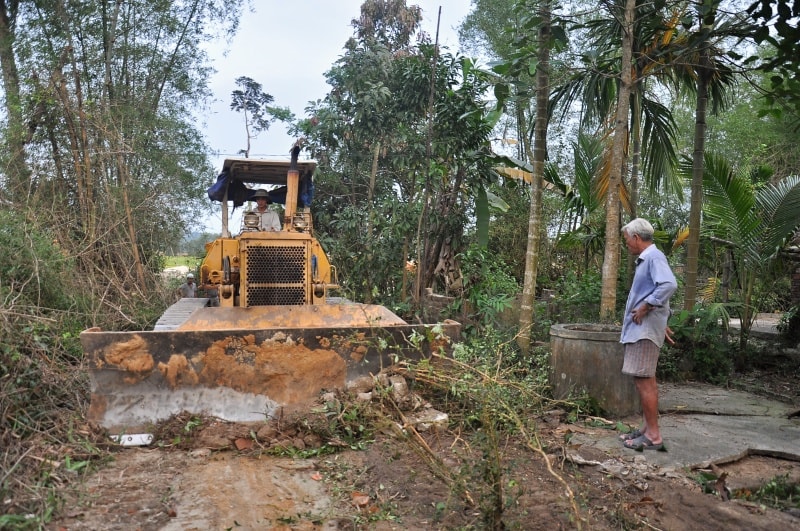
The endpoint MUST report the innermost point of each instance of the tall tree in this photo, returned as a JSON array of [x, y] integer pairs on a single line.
[[110, 89], [608, 290], [523, 49], [649, 149], [776, 25], [539, 157], [371, 135], [595, 85], [254, 104], [532, 55], [710, 77], [16, 133], [390, 23]]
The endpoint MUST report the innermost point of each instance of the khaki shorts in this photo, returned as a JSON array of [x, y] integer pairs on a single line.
[[641, 359]]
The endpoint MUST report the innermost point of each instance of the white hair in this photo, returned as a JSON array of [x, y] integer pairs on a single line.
[[639, 227]]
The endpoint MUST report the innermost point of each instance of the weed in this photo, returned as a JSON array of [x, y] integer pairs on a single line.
[[298, 518], [779, 493], [74, 466], [193, 424], [351, 422], [707, 481], [345, 483], [305, 453]]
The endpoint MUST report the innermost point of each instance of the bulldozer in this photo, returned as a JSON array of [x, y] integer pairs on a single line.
[[270, 340]]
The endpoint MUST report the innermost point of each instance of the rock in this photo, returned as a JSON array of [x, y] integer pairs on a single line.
[[328, 397], [414, 401], [312, 440], [282, 444], [364, 397], [399, 387], [383, 379], [364, 384], [429, 419], [200, 452], [214, 442], [267, 432], [793, 512], [243, 444]]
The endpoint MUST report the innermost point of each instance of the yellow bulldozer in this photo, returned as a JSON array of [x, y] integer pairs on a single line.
[[274, 337]]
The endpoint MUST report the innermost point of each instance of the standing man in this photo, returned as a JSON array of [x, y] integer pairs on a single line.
[[644, 327], [188, 288], [268, 218]]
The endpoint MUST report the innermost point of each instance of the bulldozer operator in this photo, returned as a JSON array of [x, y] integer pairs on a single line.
[[268, 218]]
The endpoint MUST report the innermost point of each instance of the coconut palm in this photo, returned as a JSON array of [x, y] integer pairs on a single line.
[[647, 123], [700, 69], [652, 126]]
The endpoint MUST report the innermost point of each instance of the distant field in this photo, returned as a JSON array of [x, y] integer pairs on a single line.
[[189, 261]]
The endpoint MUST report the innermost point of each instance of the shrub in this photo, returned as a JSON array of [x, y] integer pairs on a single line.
[[488, 287], [700, 351], [40, 388], [578, 297], [789, 325]]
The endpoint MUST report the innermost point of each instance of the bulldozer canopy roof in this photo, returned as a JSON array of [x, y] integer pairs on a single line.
[[265, 171], [239, 174]]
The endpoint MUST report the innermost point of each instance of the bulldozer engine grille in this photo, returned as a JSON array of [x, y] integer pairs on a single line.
[[276, 275]]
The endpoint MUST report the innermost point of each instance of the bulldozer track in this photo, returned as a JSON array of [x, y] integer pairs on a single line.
[[179, 312]]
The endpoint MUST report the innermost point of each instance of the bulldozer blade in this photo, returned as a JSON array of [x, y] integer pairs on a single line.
[[238, 374]]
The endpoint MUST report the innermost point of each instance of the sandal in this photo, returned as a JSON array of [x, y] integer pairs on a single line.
[[631, 435], [642, 443]]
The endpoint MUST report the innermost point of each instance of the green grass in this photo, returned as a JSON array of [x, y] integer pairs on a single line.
[[189, 261]]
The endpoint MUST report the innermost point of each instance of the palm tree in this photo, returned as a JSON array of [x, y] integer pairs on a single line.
[[755, 224], [539, 157], [531, 50], [700, 68], [651, 126], [585, 200]]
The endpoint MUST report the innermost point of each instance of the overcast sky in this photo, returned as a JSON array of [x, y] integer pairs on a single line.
[[287, 47]]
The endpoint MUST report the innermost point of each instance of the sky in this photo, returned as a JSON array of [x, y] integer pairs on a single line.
[[287, 47]]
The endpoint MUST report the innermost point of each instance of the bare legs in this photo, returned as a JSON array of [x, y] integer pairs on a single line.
[[648, 395]]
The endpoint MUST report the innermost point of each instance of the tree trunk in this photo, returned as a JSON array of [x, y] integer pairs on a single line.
[[526, 315], [439, 255], [17, 167], [698, 168], [608, 293], [373, 176], [636, 156], [423, 242]]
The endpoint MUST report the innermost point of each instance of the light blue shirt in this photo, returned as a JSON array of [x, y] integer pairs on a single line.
[[653, 283]]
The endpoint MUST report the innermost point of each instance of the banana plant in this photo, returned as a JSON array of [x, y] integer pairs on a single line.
[[755, 221]]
